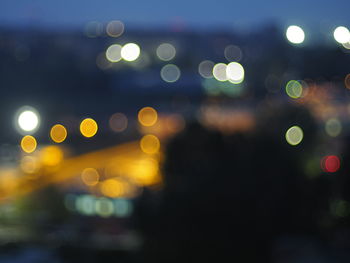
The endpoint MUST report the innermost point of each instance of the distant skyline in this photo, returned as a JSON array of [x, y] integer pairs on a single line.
[[193, 14]]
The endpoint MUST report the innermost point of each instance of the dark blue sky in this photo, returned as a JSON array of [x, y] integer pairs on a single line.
[[162, 13]]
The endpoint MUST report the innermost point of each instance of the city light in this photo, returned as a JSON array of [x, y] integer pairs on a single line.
[[219, 72], [170, 73], [113, 53], [90, 176], [51, 155], [118, 122], [130, 52], [233, 53], [88, 127], [294, 89], [330, 163], [235, 72], [115, 28], [28, 144], [28, 120], [150, 144], [295, 34], [341, 35], [58, 133], [294, 135], [205, 69], [333, 127], [147, 116], [166, 51]]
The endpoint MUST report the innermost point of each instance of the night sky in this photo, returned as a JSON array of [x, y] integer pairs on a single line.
[[188, 13]]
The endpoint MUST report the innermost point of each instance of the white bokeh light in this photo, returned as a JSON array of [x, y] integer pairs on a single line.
[[28, 120], [219, 72], [295, 34], [235, 72], [341, 35], [130, 52]]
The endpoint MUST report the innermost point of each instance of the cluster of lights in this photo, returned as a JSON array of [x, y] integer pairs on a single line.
[[295, 35], [129, 52], [232, 72], [95, 29], [28, 121], [90, 205]]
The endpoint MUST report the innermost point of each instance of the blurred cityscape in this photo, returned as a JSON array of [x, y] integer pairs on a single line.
[[175, 145]]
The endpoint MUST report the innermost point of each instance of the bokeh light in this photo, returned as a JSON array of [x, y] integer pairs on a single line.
[[147, 116], [330, 163], [166, 51], [346, 45], [114, 187], [294, 89], [113, 53], [51, 155], [219, 72], [58, 133], [150, 144], [347, 81], [88, 127], [118, 122], [333, 127], [115, 28], [90, 176], [205, 69], [28, 119], [104, 207], [29, 164], [295, 34], [341, 35], [28, 144], [235, 72], [294, 135], [170, 73], [130, 52], [233, 53]]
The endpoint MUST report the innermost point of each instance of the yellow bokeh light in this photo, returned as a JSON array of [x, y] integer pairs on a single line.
[[113, 187], [29, 164], [90, 176], [113, 53], [130, 52], [88, 127], [235, 72], [150, 144], [51, 155], [145, 172], [115, 28], [58, 133], [28, 144], [341, 35], [294, 135], [147, 116], [295, 34], [118, 122], [219, 72]]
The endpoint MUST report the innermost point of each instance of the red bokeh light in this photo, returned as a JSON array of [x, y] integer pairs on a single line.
[[330, 163]]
